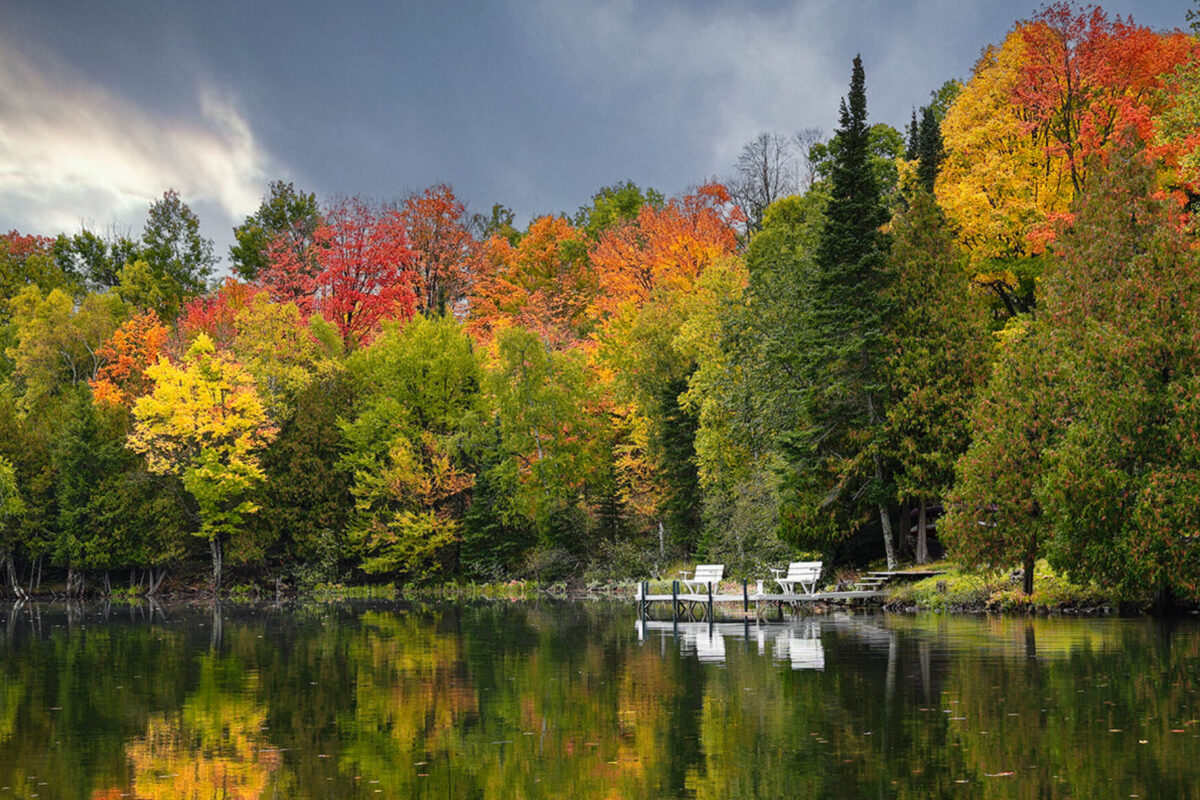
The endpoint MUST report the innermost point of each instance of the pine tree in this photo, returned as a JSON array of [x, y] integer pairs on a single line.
[[837, 473]]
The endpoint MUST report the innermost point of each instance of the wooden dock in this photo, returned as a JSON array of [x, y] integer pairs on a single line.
[[752, 601]]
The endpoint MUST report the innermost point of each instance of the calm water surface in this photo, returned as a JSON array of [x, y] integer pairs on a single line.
[[580, 700]]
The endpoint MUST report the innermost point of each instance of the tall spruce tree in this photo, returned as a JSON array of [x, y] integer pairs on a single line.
[[836, 470]]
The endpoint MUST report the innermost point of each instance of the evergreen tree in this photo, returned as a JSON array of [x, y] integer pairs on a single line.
[[929, 151], [837, 473], [938, 356]]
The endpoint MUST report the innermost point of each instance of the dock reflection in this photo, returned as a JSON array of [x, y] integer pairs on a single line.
[[796, 644]]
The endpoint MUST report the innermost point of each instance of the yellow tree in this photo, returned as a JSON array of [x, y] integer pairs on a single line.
[[204, 423]]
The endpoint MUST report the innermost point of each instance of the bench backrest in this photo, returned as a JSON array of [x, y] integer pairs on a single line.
[[709, 573], [804, 571]]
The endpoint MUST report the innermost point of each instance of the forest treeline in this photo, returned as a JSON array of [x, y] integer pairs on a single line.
[[994, 313]]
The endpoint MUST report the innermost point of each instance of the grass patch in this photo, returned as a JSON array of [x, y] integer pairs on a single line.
[[338, 591], [974, 590]]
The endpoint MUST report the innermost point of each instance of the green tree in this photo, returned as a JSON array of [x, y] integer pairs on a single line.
[[93, 260], [938, 356], [179, 257], [836, 469], [408, 445], [1121, 307], [544, 435], [994, 514], [615, 204], [286, 218], [11, 505]]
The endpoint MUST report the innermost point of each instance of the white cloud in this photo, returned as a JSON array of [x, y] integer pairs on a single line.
[[72, 151]]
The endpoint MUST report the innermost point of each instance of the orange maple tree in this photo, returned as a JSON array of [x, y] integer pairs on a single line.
[[132, 348], [446, 252], [664, 247], [544, 283]]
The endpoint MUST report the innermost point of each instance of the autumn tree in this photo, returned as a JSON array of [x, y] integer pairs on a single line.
[[286, 219], [1038, 113], [446, 252], [544, 282], [27, 260], [836, 469], [125, 357], [365, 271], [58, 344], [204, 423]]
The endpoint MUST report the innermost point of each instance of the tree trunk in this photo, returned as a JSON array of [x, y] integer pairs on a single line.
[[215, 545], [922, 554], [1027, 578], [886, 521], [155, 580]]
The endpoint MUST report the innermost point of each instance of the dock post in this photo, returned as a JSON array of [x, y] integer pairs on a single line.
[[745, 598], [642, 587], [710, 610], [674, 600]]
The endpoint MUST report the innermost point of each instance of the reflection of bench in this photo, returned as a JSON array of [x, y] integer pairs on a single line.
[[804, 573], [707, 575], [804, 652]]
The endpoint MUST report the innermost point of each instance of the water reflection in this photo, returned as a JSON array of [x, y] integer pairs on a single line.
[[797, 644], [573, 701]]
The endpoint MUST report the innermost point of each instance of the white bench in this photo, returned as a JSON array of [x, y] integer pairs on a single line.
[[804, 573], [706, 576]]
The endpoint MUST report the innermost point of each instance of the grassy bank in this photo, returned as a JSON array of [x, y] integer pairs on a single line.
[[961, 590]]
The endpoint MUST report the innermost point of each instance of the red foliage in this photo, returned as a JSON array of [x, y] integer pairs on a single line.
[[20, 246], [1087, 79], [364, 271], [215, 313]]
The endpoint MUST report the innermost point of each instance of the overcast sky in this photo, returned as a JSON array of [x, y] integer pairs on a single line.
[[535, 104]]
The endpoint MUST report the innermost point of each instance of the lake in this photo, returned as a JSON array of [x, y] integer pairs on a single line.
[[580, 700]]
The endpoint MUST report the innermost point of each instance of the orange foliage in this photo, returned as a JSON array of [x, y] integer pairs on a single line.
[[446, 252], [129, 351], [544, 284], [1086, 79], [664, 248]]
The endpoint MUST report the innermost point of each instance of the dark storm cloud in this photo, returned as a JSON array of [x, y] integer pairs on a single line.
[[535, 104]]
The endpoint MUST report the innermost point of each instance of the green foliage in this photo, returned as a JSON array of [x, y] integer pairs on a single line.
[[409, 444], [544, 453], [180, 259], [95, 262], [938, 353], [615, 204], [834, 465], [286, 218]]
